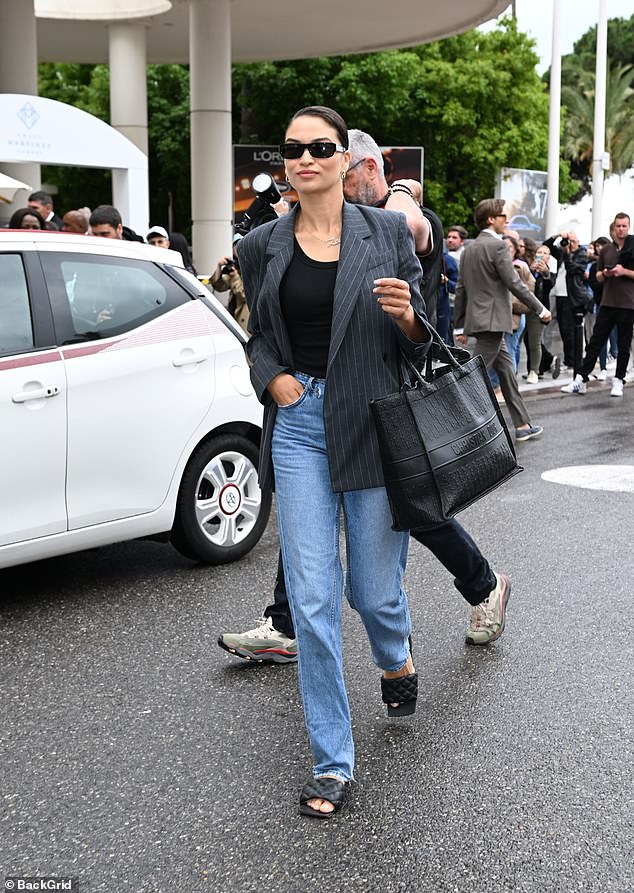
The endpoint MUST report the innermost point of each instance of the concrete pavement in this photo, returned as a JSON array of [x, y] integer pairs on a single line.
[[138, 756]]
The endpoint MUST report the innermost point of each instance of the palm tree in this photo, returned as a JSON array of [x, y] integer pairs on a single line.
[[578, 100]]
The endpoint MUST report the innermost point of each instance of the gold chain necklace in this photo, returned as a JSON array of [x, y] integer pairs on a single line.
[[332, 243]]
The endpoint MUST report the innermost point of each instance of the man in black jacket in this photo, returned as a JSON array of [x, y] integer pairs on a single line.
[[571, 294], [42, 202], [615, 271], [105, 221]]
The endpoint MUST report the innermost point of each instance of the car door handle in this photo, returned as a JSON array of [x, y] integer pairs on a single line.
[[37, 394], [192, 359]]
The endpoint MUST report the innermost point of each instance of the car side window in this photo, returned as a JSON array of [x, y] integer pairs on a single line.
[[16, 327], [98, 297], [106, 296]]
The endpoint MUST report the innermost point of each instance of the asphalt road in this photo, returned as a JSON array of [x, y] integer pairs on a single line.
[[136, 755]]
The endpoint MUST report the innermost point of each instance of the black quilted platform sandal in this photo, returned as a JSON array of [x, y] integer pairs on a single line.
[[402, 691], [331, 789]]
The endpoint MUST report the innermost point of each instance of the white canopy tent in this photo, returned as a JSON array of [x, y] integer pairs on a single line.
[[9, 186], [49, 132]]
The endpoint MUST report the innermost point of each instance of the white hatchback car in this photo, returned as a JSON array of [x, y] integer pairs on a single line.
[[126, 409]]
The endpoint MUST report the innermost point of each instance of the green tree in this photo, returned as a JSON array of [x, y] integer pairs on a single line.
[[619, 116], [474, 102], [577, 77], [480, 106], [169, 146], [87, 87], [265, 95], [620, 44]]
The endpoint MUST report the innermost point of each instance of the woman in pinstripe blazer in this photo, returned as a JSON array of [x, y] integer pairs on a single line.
[[334, 295]]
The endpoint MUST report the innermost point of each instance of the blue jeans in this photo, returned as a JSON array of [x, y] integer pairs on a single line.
[[513, 342], [309, 517]]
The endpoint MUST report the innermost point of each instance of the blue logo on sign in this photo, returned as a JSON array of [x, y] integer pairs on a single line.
[[28, 115]]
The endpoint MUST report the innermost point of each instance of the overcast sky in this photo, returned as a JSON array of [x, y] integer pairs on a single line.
[[535, 18]]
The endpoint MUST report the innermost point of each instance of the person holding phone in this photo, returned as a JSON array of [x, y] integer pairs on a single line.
[[615, 271], [570, 294]]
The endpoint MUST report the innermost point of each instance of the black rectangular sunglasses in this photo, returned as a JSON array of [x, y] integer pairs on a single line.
[[317, 150]]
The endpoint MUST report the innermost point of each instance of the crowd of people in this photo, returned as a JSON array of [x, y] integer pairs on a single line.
[[566, 277], [105, 221], [560, 273], [332, 292]]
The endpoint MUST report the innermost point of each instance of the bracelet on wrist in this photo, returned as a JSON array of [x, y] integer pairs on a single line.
[[400, 187]]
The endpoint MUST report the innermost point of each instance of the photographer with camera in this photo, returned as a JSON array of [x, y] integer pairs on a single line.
[[226, 277], [267, 205], [572, 298]]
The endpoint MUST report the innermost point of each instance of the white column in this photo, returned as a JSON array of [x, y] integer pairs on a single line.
[[18, 74], [552, 206], [131, 197], [599, 119], [211, 143], [127, 52]]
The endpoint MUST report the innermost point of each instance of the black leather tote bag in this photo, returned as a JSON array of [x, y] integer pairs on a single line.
[[443, 440]]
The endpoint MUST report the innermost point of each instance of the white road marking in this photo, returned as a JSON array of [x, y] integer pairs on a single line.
[[614, 478]]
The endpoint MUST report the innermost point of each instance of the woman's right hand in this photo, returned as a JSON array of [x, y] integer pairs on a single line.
[[285, 389]]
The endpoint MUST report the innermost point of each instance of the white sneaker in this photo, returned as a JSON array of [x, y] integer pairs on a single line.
[[578, 386], [603, 375], [488, 619], [531, 378], [264, 643], [617, 387]]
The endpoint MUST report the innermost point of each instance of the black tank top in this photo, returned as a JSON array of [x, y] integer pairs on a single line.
[[306, 298]]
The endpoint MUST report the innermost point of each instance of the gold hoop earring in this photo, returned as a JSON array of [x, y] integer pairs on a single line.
[[344, 174]]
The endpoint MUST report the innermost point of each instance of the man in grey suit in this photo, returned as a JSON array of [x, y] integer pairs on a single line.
[[483, 306]]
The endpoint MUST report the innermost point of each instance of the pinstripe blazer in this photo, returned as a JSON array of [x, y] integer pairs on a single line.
[[363, 360]]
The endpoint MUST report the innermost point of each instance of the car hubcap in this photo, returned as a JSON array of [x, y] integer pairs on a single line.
[[228, 498]]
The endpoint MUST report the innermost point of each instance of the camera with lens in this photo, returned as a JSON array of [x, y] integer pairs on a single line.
[[229, 267], [260, 210], [564, 242]]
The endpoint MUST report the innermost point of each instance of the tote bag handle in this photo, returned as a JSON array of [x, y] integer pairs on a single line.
[[438, 350]]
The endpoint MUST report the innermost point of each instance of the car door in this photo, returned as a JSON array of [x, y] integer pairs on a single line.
[[139, 360], [32, 407]]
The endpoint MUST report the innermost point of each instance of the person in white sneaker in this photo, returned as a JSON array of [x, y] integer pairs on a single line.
[[615, 270]]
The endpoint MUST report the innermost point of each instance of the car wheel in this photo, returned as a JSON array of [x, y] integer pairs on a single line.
[[221, 512]]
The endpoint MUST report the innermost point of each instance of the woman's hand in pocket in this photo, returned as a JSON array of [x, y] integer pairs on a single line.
[[285, 389]]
